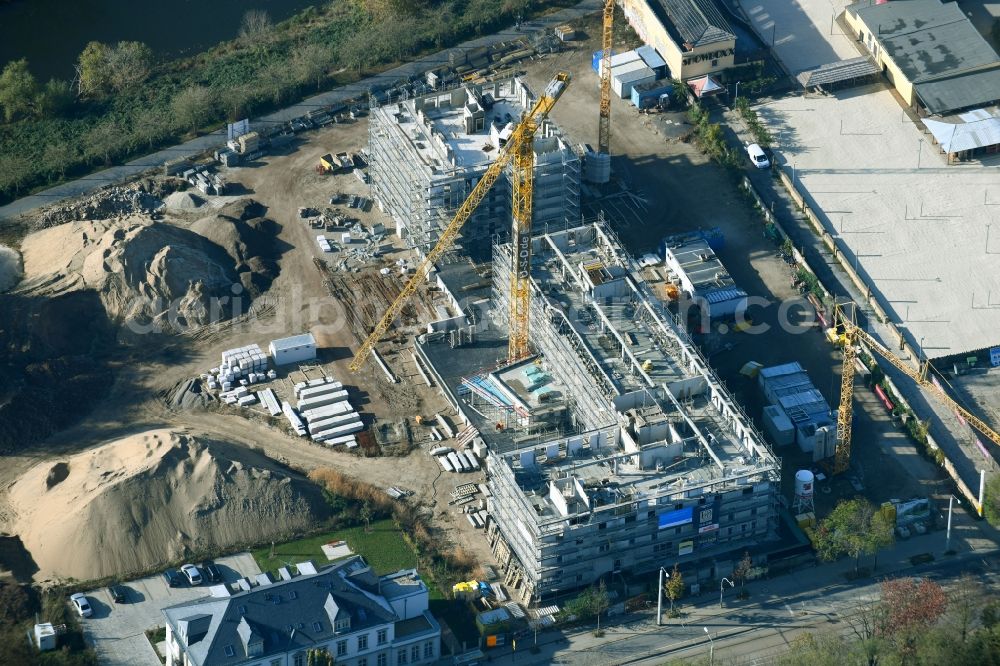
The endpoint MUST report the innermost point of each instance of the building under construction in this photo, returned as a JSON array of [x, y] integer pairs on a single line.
[[614, 448], [428, 152]]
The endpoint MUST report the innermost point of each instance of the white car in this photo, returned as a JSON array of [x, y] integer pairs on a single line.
[[81, 604], [758, 157], [192, 573]]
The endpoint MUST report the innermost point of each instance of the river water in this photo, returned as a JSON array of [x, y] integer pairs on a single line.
[[51, 33]]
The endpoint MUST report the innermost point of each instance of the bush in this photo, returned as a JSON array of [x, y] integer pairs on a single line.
[[991, 501]]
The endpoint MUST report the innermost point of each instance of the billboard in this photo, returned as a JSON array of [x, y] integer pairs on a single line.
[[674, 518], [995, 357], [685, 547]]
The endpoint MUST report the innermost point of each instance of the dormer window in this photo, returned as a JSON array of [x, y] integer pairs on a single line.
[[342, 624]]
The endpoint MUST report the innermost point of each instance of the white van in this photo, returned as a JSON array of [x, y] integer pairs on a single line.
[[758, 157]]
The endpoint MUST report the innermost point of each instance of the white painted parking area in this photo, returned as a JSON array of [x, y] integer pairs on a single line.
[[918, 230], [804, 32], [117, 631]]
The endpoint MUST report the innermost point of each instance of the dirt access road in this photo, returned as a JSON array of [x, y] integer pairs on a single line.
[[150, 367]]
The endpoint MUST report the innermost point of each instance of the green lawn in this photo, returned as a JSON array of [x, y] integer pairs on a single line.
[[383, 548]]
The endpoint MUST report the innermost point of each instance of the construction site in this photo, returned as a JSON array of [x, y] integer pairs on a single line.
[[469, 294]]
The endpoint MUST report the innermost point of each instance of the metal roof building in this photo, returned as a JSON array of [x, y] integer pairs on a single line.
[[930, 51], [294, 349]]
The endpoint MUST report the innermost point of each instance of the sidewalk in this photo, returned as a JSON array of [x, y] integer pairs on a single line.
[[784, 596], [215, 139]]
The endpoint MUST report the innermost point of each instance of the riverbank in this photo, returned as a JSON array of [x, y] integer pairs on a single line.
[[315, 50]]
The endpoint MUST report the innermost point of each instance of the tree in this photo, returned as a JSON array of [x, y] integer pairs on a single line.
[[852, 529], [54, 99], [128, 64], [58, 156], [104, 141], [319, 657], [675, 587], [910, 606], [366, 516], [991, 501], [590, 603], [92, 72], [256, 26], [881, 534], [741, 572], [15, 172], [193, 106], [17, 89], [310, 62]]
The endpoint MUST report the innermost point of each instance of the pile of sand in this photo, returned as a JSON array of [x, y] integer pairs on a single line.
[[251, 239], [143, 270], [144, 500], [10, 268], [181, 201]]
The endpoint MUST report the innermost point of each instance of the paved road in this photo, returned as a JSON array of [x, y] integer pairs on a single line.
[[216, 139], [810, 599]]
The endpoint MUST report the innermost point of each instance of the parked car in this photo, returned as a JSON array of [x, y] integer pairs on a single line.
[[118, 593], [173, 578], [211, 572], [81, 604], [758, 156], [192, 574]]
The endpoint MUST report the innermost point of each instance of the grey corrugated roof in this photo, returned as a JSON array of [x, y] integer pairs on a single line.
[[697, 22], [960, 92], [283, 614], [842, 70], [294, 341], [934, 43]]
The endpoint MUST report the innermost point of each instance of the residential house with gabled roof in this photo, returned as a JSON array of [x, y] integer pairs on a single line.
[[360, 618]]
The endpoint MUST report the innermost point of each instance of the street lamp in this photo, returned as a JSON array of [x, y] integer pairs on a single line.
[[737, 91], [664, 574], [722, 585], [711, 648], [920, 145]]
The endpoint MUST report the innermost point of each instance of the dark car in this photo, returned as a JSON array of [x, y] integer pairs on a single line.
[[211, 572], [118, 593], [173, 578]]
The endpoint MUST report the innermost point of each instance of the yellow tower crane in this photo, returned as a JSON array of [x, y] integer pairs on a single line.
[[851, 336], [519, 149], [604, 123]]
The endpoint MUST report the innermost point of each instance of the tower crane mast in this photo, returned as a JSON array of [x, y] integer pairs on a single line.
[[852, 335], [604, 122], [520, 149]]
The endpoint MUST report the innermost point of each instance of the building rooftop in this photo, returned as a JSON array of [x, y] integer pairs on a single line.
[[695, 22], [700, 264], [938, 49], [294, 341], [463, 129], [281, 616]]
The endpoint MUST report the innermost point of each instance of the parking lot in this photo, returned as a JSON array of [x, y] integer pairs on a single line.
[[117, 631]]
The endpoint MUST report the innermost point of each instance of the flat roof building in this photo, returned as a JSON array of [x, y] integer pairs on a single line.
[[427, 153], [621, 451], [293, 349], [930, 51], [691, 35], [703, 278]]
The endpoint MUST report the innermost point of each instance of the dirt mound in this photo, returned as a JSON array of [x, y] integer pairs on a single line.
[[142, 197], [144, 271], [161, 495], [249, 238], [10, 268], [179, 201], [53, 365]]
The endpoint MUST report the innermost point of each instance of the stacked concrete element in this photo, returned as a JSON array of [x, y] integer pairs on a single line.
[[668, 467], [328, 413], [427, 153]]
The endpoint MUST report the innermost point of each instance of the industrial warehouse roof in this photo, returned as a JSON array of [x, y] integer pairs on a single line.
[[294, 342], [696, 22], [975, 129], [938, 49], [842, 70]]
